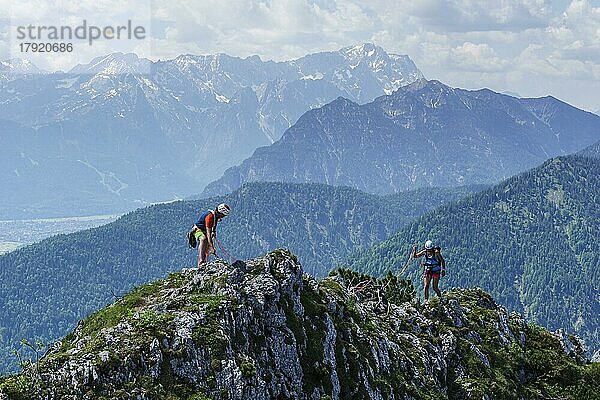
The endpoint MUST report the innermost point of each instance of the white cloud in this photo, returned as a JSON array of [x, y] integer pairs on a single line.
[[477, 15], [73, 14], [477, 57], [534, 55], [577, 32], [4, 35], [279, 29]]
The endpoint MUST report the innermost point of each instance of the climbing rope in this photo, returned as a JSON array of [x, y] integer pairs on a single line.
[[410, 257], [222, 249]]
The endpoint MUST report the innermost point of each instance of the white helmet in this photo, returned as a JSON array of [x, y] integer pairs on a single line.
[[429, 245], [224, 209]]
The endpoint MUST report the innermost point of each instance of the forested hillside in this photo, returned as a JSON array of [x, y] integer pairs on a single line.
[[45, 288], [533, 241]]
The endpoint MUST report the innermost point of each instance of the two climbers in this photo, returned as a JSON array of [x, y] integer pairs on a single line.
[[434, 266], [205, 231]]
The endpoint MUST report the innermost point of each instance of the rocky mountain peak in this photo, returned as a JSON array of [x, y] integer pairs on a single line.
[[15, 67], [474, 137], [114, 63], [340, 104], [427, 87], [19, 66], [363, 51], [262, 329]]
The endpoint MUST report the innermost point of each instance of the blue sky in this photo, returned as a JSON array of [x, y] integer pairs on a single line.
[[526, 47]]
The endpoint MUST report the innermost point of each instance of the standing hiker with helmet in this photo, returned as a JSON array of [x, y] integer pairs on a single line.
[[205, 231], [434, 267]]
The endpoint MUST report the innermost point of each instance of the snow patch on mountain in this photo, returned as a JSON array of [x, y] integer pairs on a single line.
[[115, 63], [313, 77]]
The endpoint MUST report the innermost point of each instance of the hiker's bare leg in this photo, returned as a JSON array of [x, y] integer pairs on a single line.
[[202, 251], [426, 280], [435, 286]]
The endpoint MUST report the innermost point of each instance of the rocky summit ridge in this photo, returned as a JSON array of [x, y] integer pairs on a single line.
[[263, 329]]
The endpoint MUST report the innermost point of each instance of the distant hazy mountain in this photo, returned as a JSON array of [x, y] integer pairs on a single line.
[[512, 94], [127, 130], [424, 134], [16, 68], [46, 287], [533, 241], [591, 151]]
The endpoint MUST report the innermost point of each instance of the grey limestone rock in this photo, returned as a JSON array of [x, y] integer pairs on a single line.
[[265, 330]]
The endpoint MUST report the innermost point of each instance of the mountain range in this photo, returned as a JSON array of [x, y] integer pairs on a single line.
[[424, 134], [126, 131], [263, 329], [47, 287], [533, 241]]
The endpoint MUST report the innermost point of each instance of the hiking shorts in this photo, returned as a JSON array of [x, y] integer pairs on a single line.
[[432, 274], [199, 235]]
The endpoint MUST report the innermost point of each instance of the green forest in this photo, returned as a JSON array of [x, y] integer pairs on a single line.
[[533, 242]]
